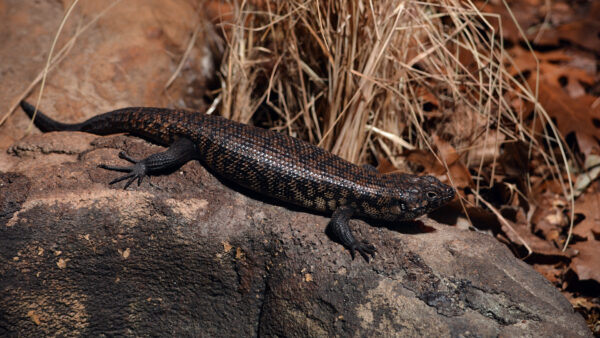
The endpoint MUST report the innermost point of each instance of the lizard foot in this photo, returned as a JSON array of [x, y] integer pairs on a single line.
[[136, 171], [364, 248]]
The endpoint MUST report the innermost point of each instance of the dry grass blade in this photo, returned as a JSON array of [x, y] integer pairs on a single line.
[[47, 68], [53, 61], [185, 56], [505, 223]]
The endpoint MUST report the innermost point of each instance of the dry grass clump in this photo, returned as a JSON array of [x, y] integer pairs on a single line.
[[364, 77]]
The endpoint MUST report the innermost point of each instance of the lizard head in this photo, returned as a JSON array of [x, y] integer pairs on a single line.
[[418, 195]]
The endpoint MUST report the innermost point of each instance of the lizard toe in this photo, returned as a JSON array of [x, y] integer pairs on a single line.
[[135, 172], [128, 158], [366, 250]]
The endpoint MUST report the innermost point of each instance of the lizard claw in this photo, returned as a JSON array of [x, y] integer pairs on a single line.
[[128, 158], [364, 248], [136, 171]]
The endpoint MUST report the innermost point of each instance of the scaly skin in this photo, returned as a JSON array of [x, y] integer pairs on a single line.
[[267, 162]]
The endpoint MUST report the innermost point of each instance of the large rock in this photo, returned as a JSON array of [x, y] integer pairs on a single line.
[[185, 255]]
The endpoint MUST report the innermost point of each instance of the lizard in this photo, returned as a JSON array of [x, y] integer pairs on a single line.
[[267, 162]]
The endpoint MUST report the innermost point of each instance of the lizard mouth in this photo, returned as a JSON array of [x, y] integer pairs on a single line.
[[450, 193], [426, 206]]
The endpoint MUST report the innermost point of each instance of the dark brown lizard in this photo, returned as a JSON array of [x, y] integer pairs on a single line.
[[267, 162]]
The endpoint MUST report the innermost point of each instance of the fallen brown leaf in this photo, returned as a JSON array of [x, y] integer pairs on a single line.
[[586, 264], [550, 271], [542, 250], [589, 227], [548, 218], [385, 166], [585, 33], [572, 115], [457, 170]]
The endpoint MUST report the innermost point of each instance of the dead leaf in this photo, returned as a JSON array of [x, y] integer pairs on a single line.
[[580, 302], [542, 250], [515, 160], [525, 59], [385, 166], [586, 264], [549, 218], [555, 67], [551, 272], [572, 115], [427, 96], [588, 206], [525, 14], [585, 33], [422, 160], [457, 170], [486, 149], [569, 77]]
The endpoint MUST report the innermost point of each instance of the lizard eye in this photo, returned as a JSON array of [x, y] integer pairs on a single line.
[[431, 195]]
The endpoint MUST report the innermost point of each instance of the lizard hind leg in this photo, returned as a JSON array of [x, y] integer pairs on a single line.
[[340, 229], [179, 153]]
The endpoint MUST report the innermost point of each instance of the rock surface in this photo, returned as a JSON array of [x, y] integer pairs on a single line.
[[185, 255]]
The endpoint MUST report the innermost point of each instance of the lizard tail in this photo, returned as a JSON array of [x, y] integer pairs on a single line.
[[45, 123], [145, 122]]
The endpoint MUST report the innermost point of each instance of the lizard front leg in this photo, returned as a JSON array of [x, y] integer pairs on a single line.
[[339, 227], [179, 153]]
